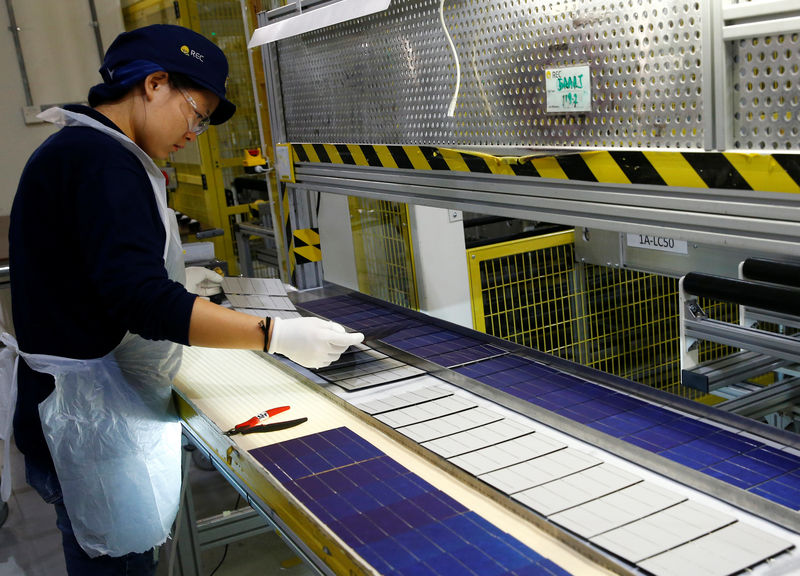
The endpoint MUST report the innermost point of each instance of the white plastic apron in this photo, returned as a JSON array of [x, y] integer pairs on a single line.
[[109, 423]]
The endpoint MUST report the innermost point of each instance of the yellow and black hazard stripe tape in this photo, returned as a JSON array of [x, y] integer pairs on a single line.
[[287, 230], [306, 246], [727, 170]]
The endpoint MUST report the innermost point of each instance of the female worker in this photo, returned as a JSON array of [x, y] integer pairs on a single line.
[[99, 307]]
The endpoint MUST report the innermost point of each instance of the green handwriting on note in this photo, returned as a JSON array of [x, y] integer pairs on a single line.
[[568, 89]]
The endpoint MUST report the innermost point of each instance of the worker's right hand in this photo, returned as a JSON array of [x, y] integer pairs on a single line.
[[311, 342], [202, 281]]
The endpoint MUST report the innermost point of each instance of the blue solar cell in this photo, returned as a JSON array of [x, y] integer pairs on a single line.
[[477, 370], [361, 500], [506, 362], [782, 460], [739, 482], [745, 476], [447, 565], [655, 414], [438, 504], [420, 568], [691, 456], [682, 459], [336, 506], [315, 463], [387, 521], [709, 449], [291, 468], [411, 332], [735, 442], [622, 402], [543, 402], [588, 411], [363, 528], [342, 530], [313, 486], [422, 547], [443, 535], [384, 468], [757, 465], [537, 369], [409, 485], [374, 558], [691, 426], [565, 397], [662, 437], [478, 561], [337, 480], [383, 492], [779, 492], [507, 556], [623, 424], [508, 378], [473, 354], [410, 513]]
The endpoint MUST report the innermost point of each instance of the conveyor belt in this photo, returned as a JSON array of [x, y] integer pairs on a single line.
[[769, 471]]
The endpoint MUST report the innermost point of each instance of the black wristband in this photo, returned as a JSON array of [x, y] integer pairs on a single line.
[[264, 325]]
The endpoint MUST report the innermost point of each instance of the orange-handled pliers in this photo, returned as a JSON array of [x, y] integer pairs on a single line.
[[256, 420]]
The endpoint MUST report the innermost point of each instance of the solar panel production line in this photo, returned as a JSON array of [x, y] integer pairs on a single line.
[[770, 472]]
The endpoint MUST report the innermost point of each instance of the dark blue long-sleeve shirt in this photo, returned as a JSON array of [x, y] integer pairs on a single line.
[[86, 256]]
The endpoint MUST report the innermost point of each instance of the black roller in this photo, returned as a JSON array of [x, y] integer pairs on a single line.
[[770, 297], [773, 271]]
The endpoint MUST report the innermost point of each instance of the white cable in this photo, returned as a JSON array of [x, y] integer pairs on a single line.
[[452, 108]]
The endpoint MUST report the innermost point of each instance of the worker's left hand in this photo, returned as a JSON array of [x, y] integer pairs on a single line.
[[202, 281]]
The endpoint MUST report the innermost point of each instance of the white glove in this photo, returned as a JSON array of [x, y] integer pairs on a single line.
[[202, 281], [311, 342]]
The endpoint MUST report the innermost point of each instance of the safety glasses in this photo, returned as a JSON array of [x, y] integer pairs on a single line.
[[202, 122]]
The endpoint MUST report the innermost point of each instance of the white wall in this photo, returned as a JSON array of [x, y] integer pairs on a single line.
[[336, 239], [440, 257], [61, 58]]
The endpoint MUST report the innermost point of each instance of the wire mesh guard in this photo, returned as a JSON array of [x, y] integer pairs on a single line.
[[620, 321], [391, 77], [383, 253]]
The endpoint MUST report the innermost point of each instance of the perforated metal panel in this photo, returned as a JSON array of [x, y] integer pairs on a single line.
[[766, 92], [390, 77]]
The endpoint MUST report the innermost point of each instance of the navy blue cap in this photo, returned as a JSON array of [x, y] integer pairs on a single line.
[[134, 55]]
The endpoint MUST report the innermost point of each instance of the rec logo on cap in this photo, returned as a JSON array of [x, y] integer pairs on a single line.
[[186, 50]]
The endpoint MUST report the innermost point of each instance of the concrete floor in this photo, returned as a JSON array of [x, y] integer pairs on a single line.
[[30, 543]]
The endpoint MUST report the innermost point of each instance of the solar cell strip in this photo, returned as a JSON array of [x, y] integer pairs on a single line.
[[507, 454], [360, 369], [730, 550], [617, 509], [576, 489], [540, 470], [425, 411], [474, 439], [387, 402], [392, 518], [450, 424], [663, 531], [401, 372]]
